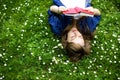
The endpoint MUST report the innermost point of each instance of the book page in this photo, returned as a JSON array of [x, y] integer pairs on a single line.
[[74, 3]]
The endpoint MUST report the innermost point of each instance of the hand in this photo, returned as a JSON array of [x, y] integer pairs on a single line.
[[96, 11], [62, 8], [57, 9], [90, 9]]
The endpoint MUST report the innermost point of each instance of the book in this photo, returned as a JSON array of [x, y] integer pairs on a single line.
[[78, 12]]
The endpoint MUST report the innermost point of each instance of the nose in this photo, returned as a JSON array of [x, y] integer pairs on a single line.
[[75, 34]]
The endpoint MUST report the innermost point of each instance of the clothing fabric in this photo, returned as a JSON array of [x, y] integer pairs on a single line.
[[77, 3], [59, 22]]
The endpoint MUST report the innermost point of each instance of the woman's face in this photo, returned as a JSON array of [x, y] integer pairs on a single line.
[[75, 36]]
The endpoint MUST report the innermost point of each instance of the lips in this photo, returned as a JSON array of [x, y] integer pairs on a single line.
[[74, 30]]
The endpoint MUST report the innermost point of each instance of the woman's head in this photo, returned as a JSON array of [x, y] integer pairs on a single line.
[[75, 36], [75, 43]]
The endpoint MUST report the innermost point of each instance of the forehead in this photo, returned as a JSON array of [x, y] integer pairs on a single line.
[[79, 41]]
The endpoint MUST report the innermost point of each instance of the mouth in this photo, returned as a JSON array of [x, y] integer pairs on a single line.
[[74, 30]]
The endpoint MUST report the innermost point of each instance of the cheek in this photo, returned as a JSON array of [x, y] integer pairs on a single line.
[[81, 41], [68, 38], [70, 34]]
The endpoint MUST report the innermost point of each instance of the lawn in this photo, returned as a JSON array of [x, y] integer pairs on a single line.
[[30, 51]]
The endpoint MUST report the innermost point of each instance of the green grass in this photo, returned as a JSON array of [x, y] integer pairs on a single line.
[[30, 51]]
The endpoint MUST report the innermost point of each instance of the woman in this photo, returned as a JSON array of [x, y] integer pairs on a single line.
[[75, 34]]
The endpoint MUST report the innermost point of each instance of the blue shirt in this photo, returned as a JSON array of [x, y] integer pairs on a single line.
[[59, 22]]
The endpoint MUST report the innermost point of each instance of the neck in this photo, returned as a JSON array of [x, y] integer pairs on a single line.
[[75, 21]]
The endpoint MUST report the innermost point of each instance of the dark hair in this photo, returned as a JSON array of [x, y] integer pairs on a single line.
[[75, 51]]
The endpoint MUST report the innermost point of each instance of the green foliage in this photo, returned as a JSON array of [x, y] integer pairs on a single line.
[[30, 51]]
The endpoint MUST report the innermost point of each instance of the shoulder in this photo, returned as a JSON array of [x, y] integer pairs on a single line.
[[94, 19], [92, 22]]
